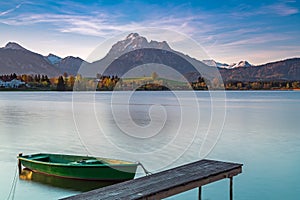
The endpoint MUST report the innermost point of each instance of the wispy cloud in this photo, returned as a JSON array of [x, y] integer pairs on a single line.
[[87, 25], [282, 8], [10, 10], [103, 24], [255, 40], [221, 29]]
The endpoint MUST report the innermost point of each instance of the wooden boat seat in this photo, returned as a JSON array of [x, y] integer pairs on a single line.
[[42, 158], [87, 162]]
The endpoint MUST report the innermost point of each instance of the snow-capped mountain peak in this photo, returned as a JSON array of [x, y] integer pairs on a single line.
[[132, 36], [133, 42], [213, 63], [159, 45], [242, 63]]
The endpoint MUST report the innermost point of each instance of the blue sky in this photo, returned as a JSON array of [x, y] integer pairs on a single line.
[[229, 31]]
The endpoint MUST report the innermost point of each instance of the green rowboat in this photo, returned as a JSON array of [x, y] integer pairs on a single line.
[[79, 167]]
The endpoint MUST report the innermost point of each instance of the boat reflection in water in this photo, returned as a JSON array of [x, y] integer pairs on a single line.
[[70, 184]]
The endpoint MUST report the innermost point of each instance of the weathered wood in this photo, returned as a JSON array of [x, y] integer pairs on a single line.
[[166, 183], [20, 164], [200, 193], [231, 189]]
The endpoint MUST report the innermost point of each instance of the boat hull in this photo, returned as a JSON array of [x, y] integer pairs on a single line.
[[72, 168]]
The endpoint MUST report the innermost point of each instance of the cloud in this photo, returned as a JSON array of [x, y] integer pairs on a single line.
[[256, 39], [105, 25], [282, 9], [223, 31], [88, 25], [10, 10]]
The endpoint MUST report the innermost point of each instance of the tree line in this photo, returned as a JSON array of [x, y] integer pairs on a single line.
[[67, 82], [202, 84]]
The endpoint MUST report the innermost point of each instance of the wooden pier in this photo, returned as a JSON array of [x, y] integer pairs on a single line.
[[167, 183]]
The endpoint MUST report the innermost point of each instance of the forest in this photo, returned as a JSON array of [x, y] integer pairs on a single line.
[[65, 82]]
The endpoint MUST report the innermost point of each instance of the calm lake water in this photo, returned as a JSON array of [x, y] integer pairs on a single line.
[[259, 129]]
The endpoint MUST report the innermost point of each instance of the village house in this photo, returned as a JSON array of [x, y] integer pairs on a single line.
[[15, 83]]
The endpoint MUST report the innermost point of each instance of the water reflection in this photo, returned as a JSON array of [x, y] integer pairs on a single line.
[[70, 184]]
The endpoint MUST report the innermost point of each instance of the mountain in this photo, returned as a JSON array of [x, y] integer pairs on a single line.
[[69, 64], [53, 59], [242, 63], [136, 51], [136, 56], [133, 42], [13, 45], [288, 69], [16, 59], [213, 63]]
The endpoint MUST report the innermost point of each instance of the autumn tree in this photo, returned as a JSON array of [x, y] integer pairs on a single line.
[[61, 84], [154, 75]]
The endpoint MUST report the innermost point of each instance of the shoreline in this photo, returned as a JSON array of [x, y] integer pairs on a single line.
[[37, 90]]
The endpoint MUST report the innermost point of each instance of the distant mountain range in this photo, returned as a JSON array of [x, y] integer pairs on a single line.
[[16, 59], [213, 63], [134, 51], [288, 69], [69, 64]]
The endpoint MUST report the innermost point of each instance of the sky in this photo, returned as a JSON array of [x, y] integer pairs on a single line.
[[228, 31]]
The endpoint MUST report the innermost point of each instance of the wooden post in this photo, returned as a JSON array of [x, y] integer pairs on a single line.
[[231, 188], [19, 164], [199, 193]]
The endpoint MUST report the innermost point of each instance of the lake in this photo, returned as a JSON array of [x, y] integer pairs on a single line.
[[161, 130]]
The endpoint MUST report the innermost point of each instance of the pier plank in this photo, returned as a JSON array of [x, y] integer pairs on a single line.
[[166, 183]]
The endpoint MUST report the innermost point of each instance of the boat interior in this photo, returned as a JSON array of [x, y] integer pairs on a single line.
[[76, 160]]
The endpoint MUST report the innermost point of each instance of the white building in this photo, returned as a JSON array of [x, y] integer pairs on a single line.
[[2, 83], [15, 83]]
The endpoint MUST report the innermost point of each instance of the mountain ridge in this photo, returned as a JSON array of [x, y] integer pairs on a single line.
[[134, 41], [287, 69], [213, 63], [16, 59], [14, 45]]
